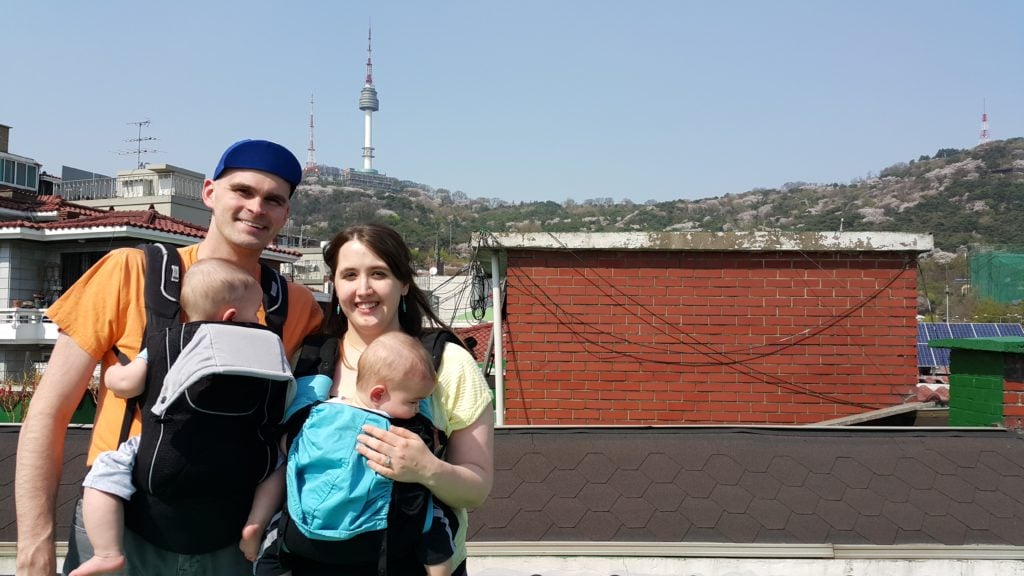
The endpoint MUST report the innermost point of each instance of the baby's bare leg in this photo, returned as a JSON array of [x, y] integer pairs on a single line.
[[103, 516]]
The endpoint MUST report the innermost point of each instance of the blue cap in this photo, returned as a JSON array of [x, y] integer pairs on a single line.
[[264, 156]]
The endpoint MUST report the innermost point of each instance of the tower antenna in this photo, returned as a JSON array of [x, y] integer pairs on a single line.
[[983, 136], [369, 104], [311, 167], [139, 150]]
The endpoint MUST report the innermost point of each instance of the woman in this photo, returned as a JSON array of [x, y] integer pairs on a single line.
[[374, 293]]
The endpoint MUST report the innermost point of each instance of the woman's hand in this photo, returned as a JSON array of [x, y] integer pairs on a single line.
[[397, 454]]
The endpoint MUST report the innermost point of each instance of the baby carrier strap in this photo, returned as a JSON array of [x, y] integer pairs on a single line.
[[162, 290], [319, 355], [434, 340], [275, 298]]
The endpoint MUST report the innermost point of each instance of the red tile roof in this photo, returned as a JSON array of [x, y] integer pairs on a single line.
[[481, 333], [148, 219], [22, 201], [71, 216]]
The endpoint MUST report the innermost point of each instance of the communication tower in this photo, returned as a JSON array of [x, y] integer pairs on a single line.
[[983, 136], [311, 167], [369, 104]]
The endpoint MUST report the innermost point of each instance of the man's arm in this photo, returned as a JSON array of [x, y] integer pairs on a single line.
[[41, 454]]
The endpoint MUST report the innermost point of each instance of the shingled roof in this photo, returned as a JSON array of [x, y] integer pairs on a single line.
[[756, 485], [850, 486], [76, 446]]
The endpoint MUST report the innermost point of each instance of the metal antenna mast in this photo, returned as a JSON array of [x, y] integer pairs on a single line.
[[139, 150], [311, 167], [983, 136]]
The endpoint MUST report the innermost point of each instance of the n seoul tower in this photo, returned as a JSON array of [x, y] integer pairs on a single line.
[[368, 104]]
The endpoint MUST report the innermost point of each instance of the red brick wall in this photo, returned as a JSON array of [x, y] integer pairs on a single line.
[[1013, 391], [689, 337]]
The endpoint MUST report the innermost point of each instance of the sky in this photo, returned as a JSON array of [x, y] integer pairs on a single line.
[[525, 100]]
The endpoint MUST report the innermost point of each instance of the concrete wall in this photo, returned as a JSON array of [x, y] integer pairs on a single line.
[[648, 337]]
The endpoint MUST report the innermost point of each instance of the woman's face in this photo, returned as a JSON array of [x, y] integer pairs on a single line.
[[367, 291]]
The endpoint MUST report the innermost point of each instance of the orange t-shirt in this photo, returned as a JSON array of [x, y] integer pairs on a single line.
[[106, 307]]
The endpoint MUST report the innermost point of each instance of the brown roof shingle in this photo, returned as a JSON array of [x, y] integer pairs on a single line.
[[756, 485]]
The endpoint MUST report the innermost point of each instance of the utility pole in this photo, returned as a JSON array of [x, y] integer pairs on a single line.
[[947, 303]]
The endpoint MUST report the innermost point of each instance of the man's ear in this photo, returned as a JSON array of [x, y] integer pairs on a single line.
[[207, 194], [229, 314]]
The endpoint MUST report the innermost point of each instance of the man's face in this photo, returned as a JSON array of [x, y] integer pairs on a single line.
[[249, 208]]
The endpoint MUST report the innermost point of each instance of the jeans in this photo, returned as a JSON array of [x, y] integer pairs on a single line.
[[144, 559]]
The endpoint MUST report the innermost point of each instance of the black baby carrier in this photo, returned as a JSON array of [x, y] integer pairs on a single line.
[[214, 399], [363, 533]]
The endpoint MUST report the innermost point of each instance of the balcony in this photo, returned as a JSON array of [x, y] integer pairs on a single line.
[[154, 180], [26, 326]]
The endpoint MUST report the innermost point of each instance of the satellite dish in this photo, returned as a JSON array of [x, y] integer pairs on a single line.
[[433, 270]]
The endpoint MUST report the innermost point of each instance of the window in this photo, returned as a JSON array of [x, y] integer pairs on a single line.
[[20, 170], [9, 171], [30, 181], [74, 264]]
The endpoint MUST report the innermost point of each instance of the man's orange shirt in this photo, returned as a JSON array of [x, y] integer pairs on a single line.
[[106, 307]]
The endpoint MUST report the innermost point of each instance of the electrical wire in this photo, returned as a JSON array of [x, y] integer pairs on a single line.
[[715, 357]]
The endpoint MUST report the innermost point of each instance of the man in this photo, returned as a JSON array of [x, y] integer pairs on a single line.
[[249, 196]]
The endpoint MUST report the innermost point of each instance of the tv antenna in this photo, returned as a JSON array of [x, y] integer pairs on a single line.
[[139, 150]]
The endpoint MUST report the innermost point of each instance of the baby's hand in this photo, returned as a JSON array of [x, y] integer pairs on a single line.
[[250, 543]]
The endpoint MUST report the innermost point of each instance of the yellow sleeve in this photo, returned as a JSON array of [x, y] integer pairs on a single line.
[[462, 393]]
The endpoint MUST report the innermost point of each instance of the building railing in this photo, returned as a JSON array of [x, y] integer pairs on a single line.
[[97, 189], [133, 186], [18, 316], [306, 277], [26, 324]]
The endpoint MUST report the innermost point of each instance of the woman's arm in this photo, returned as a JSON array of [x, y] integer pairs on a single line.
[[463, 401], [471, 457], [464, 481]]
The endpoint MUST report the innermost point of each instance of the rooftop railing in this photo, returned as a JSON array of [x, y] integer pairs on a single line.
[[133, 186], [26, 324]]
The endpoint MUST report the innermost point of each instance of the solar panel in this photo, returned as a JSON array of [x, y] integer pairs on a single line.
[[962, 330], [986, 330], [928, 331], [1010, 329]]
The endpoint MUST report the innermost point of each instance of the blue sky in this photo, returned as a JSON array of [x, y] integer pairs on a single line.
[[524, 100]]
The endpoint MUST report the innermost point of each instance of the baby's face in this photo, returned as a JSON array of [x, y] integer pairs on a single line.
[[404, 398]]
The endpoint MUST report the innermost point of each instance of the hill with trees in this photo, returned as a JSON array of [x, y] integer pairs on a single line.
[[963, 197]]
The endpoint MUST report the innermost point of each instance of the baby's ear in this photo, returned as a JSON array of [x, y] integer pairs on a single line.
[[378, 394], [229, 314]]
